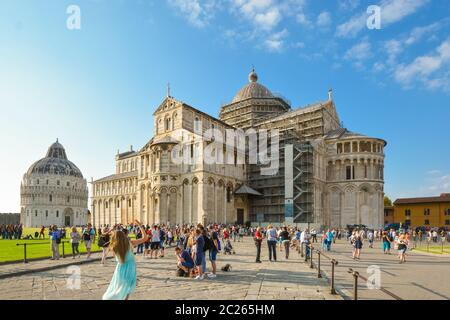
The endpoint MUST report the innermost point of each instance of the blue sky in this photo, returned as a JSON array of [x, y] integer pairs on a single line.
[[96, 88]]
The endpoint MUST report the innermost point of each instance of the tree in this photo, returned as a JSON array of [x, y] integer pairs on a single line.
[[387, 201]]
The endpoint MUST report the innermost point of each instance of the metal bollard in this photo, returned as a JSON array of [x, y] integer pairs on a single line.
[[355, 285], [306, 252], [319, 274], [24, 252], [63, 245], [333, 263], [311, 256], [301, 250]]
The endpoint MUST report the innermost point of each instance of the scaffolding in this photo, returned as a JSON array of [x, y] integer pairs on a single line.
[[272, 203]]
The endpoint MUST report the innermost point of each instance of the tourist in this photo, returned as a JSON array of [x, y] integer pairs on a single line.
[[156, 242], [214, 236], [314, 235], [88, 239], [329, 239], [198, 253], [75, 238], [370, 237], [55, 237], [147, 244], [123, 282], [258, 241], [140, 247], [42, 233], [241, 234], [402, 246], [386, 243], [184, 260], [285, 240], [357, 242], [271, 235], [162, 238], [103, 242]]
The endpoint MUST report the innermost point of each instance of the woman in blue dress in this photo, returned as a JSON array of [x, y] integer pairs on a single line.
[[123, 282]]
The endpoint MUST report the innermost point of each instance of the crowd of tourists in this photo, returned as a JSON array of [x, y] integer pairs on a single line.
[[11, 231]]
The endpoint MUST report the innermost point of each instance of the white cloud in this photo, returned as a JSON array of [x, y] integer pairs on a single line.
[[432, 70], [393, 48], [324, 19], [303, 20], [348, 5], [197, 12], [359, 52], [391, 11], [276, 41], [437, 183]]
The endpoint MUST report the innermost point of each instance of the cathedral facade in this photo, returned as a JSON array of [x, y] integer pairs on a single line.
[[196, 168]]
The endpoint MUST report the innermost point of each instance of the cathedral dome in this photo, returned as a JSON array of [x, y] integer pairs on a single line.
[[55, 162], [252, 90]]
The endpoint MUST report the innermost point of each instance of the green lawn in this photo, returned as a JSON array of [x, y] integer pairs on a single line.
[[9, 251], [436, 249]]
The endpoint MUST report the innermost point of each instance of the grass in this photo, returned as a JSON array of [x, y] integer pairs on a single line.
[[436, 249], [9, 251]]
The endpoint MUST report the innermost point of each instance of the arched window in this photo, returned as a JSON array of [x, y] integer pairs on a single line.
[[50, 198], [168, 126]]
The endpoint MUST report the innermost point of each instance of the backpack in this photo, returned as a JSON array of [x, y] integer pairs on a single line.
[[209, 244], [101, 241], [86, 236]]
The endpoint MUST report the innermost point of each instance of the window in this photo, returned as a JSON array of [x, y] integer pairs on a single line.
[[46, 213], [68, 198], [348, 172], [427, 222], [447, 222], [228, 194], [365, 172], [57, 213], [408, 213], [426, 212], [46, 182], [106, 205], [57, 182], [118, 204], [129, 202], [35, 213], [68, 184], [447, 212], [50, 198]]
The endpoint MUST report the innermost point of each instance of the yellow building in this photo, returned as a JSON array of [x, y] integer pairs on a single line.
[[428, 212]]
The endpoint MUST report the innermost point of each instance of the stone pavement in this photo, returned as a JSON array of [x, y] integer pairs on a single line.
[[285, 279], [424, 277]]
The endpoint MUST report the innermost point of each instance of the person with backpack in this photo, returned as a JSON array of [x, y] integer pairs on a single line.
[[285, 240], [55, 237], [198, 253], [103, 242], [214, 249], [88, 239]]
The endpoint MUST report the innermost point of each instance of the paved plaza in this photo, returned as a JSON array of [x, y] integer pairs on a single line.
[[423, 276], [285, 279]]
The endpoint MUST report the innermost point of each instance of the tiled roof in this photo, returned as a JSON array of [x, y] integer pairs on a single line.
[[124, 175], [445, 197]]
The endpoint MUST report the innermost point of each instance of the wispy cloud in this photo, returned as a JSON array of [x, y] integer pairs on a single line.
[[391, 11], [432, 70], [324, 19], [197, 12], [276, 41]]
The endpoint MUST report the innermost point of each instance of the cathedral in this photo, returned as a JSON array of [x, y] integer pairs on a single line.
[[302, 168]]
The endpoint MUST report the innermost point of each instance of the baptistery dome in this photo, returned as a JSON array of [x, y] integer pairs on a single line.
[[55, 162], [53, 191]]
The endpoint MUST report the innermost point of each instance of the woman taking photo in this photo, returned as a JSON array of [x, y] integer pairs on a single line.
[[123, 282]]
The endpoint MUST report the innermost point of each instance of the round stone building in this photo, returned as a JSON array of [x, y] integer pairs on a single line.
[[53, 191]]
